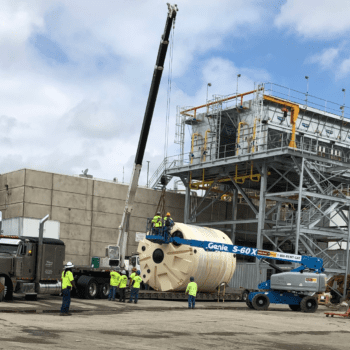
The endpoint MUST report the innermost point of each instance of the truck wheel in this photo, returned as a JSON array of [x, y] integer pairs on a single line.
[[103, 290], [87, 287], [2, 288], [261, 302], [91, 290], [249, 304], [295, 307], [245, 295], [309, 304]]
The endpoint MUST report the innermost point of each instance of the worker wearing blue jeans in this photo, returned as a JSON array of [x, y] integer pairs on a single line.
[[68, 283], [191, 290], [136, 288]]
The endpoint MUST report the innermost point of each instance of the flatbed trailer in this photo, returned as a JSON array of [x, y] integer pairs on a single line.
[[229, 295]]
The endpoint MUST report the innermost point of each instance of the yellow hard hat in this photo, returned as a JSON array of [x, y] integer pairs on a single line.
[[167, 214]]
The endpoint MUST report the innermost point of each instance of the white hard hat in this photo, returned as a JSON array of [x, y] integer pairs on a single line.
[[123, 272], [69, 265]]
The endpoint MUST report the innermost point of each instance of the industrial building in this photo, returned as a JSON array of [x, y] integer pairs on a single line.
[[89, 210], [283, 153]]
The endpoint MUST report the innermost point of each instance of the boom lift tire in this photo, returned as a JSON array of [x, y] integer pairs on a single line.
[[295, 307], [309, 304], [261, 302], [249, 304], [103, 291]]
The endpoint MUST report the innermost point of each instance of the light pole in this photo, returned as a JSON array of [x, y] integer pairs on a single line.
[[208, 85], [238, 76], [307, 89], [147, 172]]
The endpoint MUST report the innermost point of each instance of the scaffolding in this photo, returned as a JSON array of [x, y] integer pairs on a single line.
[[285, 154]]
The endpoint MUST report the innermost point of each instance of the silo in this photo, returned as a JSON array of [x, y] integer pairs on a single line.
[[168, 267]]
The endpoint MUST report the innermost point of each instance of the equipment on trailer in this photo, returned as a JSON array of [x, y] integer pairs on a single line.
[[295, 288], [157, 75]]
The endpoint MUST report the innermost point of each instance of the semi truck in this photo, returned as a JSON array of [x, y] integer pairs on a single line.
[[33, 265]]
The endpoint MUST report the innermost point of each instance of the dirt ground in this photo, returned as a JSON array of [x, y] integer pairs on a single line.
[[153, 324]]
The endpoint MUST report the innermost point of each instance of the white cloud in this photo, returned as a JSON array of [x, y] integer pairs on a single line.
[[315, 18], [344, 69], [326, 58], [87, 112]]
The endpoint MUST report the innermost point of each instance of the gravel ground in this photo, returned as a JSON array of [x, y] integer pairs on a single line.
[[154, 324]]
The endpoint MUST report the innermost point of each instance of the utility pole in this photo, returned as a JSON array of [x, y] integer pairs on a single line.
[[147, 172]]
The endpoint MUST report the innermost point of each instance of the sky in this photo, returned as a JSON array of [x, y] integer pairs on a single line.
[[75, 75]]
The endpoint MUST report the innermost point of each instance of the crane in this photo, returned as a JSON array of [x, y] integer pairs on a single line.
[[294, 288], [152, 97]]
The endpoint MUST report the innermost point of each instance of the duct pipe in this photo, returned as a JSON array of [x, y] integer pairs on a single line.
[[40, 250]]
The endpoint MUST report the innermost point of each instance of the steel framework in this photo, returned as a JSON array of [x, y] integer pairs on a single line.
[[294, 175]]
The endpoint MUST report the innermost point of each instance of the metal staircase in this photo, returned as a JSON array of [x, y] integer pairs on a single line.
[[160, 179]]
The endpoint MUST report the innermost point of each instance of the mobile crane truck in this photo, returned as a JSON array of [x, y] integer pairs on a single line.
[[295, 288]]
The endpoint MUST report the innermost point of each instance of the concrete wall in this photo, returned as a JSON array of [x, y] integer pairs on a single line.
[[89, 210]]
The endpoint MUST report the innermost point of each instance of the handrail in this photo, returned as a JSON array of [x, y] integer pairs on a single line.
[[194, 109], [160, 170]]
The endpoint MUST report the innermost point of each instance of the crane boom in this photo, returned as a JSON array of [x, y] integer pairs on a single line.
[[152, 97]]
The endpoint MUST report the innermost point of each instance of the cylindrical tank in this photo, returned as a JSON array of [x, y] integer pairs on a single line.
[[168, 267]]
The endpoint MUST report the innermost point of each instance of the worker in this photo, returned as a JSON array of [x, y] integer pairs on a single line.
[[191, 290], [168, 224], [113, 284], [136, 288], [123, 281], [134, 269], [157, 223], [67, 284]]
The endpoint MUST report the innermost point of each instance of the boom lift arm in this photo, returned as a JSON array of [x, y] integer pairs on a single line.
[[294, 288], [152, 97]]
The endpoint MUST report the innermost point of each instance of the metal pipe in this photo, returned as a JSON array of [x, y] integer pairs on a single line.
[[293, 116], [192, 144], [40, 249], [205, 144], [0, 222], [347, 259]]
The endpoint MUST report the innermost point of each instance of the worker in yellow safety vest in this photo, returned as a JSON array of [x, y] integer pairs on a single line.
[[157, 223], [136, 288], [134, 269], [123, 281], [191, 290], [67, 279], [168, 223], [114, 281]]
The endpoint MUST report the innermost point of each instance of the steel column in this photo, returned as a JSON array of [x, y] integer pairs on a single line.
[[301, 178], [234, 214], [262, 205], [187, 201], [347, 259]]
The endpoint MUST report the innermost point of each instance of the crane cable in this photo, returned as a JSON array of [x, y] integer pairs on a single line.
[[170, 73]]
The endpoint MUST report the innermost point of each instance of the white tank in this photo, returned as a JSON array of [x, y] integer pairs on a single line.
[[168, 267]]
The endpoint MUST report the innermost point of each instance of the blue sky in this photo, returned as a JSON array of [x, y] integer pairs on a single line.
[[75, 74]]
